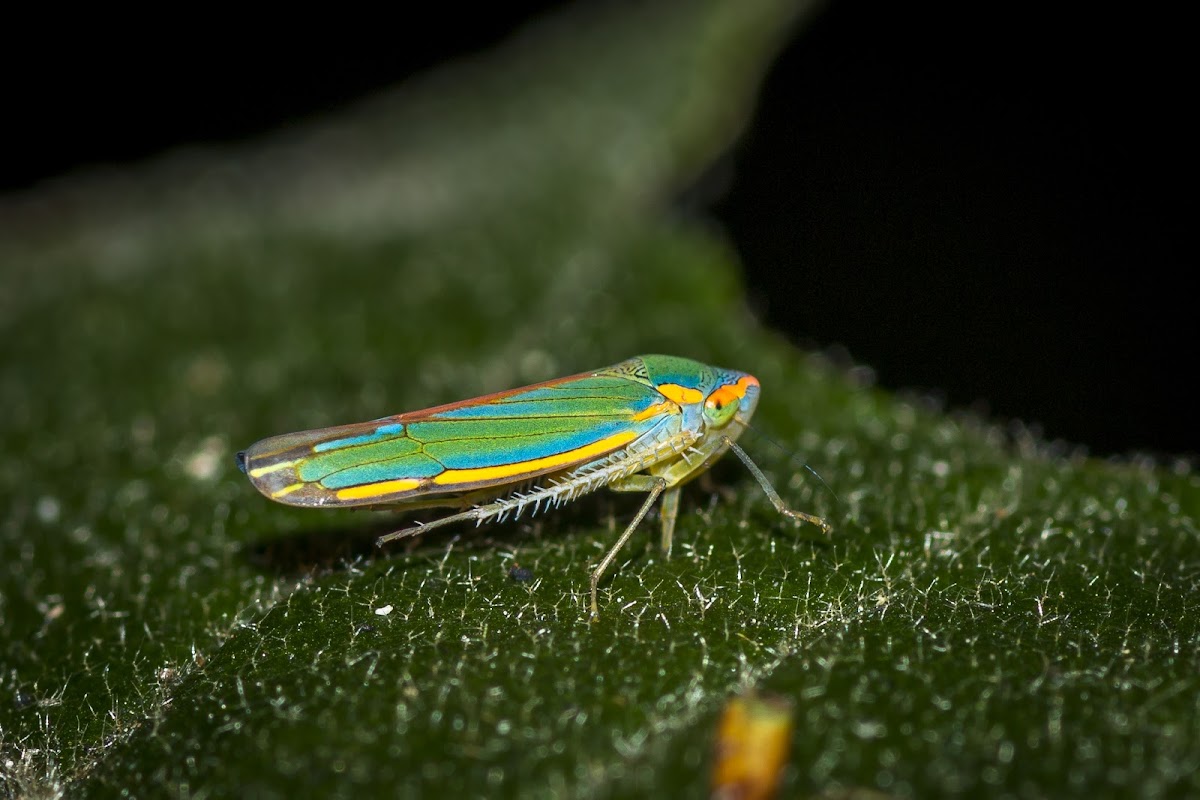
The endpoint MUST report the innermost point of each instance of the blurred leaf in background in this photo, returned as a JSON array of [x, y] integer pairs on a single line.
[[991, 616]]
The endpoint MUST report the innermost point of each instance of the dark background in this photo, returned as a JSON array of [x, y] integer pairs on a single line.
[[990, 208]]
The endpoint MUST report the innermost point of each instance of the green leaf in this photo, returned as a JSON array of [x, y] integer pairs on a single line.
[[991, 615]]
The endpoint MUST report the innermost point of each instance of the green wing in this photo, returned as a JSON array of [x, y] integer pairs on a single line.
[[486, 442]]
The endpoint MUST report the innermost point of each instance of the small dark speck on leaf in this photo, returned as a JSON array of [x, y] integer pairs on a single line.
[[520, 574], [364, 629], [23, 700]]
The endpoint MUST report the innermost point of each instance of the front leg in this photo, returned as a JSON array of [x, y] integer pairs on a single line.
[[772, 495], [701, 457]]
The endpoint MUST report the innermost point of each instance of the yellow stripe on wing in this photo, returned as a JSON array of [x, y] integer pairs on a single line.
[[258, 472], [370, 490], [665, 407], [567, 458], [286, 490]]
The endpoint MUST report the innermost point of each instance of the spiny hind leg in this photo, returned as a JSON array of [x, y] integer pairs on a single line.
[[497, 508], [421, 527], [633, 483]]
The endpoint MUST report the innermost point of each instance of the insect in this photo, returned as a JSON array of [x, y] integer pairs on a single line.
[[648, 424]]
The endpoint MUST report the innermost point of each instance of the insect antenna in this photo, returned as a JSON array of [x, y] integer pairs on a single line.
[[792, 457]]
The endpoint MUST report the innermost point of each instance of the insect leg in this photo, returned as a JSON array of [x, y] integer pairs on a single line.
[[632, 483], [773, 495], [421, 527], [669, 510]]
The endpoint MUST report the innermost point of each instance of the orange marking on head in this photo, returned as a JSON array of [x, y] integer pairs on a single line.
[[732, 391], [564, 459], [724, 395], [680, 394], [370, 490]]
